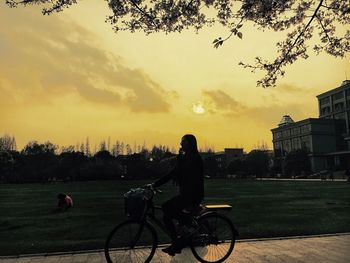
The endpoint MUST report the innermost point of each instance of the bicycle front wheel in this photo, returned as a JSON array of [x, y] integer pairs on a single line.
[[215, 239], [131, 241]]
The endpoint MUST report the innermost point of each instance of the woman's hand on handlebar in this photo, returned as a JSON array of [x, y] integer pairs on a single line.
[[149, 186]]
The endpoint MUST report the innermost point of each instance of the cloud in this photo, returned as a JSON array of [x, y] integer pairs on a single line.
[[267, 115], [223, 102], [291, 89], [52, 56]]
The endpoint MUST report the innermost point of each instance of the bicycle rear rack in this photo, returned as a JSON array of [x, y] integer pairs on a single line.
[[218, 207]]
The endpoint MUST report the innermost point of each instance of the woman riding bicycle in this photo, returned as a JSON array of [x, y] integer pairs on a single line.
[[210, 235], [188, 175]]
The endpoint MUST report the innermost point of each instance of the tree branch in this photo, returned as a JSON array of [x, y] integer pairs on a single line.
[[277, 68], [324, 29], [142, 11]]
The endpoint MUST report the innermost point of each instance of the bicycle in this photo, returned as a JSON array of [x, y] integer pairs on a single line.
[[210, 235]]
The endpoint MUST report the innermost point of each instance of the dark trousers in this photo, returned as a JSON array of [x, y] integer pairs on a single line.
[[172, 209]]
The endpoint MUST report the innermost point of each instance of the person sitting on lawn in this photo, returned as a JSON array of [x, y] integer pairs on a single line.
[[64, 202]]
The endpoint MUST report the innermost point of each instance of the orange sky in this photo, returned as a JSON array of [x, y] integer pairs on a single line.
[[68, 76]]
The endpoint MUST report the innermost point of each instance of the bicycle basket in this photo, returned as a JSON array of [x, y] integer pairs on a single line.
[[135, 203]]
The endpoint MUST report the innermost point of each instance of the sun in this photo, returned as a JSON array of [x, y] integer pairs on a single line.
[[198, 108]]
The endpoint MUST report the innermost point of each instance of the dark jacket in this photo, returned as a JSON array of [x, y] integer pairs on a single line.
[[188, 174]]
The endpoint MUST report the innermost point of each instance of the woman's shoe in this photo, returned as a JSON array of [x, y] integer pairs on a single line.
[[172, 250]]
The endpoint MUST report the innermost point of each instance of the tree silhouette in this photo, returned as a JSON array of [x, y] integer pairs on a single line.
[[211, 167], [128, 149], [69, 164], [296, 162], [87, 147], [8, 143], [103, 146], [40, 160], [300, 20], [257, 162], [236, 167]]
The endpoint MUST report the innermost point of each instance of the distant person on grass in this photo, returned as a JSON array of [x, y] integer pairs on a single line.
[[64, 202], [188, 175], [331, 175]]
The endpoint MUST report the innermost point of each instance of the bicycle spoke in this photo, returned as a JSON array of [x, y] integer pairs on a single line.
[[131, 242], [215, 240]]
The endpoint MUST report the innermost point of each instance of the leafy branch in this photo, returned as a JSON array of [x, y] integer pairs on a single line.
[[274, 69]]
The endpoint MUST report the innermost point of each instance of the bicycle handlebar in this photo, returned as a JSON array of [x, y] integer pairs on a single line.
[[151, 188]]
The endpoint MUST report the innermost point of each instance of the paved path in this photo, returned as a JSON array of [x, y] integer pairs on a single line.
[[300, 179], [330, 249]]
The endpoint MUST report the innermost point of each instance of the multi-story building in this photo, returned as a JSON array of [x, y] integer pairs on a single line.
[[335, 104], [327, 139], [317, 136]]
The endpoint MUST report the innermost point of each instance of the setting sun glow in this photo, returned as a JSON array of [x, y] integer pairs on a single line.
[[198, 108]]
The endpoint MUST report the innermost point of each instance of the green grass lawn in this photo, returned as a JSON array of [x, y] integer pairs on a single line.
[[260, 209]]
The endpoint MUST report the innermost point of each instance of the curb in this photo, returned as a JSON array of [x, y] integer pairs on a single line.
[[162, 245], [292, 237]]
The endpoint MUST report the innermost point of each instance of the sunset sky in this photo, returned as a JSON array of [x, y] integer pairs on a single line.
[[68, 76]]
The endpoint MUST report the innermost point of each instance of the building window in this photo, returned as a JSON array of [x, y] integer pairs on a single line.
[[277, 149], [286, 146], [305, 128], [325, 110], [277, 135], [347, 93], [324, 101], [348, 104], [338, 96], [339, 116], [305, 143], [338, 106], [336, 161], [277, 145], [296, 131], [286, 133], [296, 144]]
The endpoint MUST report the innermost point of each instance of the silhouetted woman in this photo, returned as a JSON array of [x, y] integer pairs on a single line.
[[188, 174]]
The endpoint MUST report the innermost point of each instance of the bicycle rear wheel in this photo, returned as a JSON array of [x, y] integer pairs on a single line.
[[131, 241], [215, 239]]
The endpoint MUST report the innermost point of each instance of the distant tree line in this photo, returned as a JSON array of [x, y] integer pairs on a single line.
[[47, 162]]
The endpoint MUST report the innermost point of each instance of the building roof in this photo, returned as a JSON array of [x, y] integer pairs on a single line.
[[305, 121], [332, 91], [286, 120]]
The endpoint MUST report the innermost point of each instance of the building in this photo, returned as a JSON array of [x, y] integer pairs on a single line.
[[327, 138], [335, 104], [225, 157], [318, 136]]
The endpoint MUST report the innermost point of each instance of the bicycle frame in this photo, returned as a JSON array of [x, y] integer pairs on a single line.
[[153, 220]]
